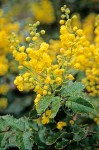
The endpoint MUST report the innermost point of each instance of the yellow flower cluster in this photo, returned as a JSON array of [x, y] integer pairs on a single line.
[[40, 73], [6, 27], [46, 117], [3, 65], [92, 72], [75, 46], [88, 26], [82, 54], [3, 103], [60, 125], [54, 48], [43, 11], [4, 88], [3, 42]]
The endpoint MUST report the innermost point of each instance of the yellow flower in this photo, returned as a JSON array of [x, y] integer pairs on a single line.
[[48, 80], [58, 80], [71, 122], [45, 120], [44, 92], [70, 77], [60, 125], [19, 82], [48, 113], [58, 72]]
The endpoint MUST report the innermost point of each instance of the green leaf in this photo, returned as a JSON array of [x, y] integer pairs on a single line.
[[55, 106], [80, 105], [38, 141], [42, 134], [24, 140], [79, 135], [19, 141], [12, 141], [33, 125], [62, 144], [6, 139], [3, 125], [1, 137], [80, 76], [44, 103], [27, 140], [33, 114], [15, 123], [72, 89], [52, 138], [15, 132]]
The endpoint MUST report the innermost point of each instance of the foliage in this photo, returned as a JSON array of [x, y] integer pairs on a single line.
[[26, 133]]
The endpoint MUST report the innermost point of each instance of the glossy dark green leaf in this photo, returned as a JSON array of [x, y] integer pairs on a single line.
[[52, 138], [79, 136], [42, 135], [62, 144], [80, 105]]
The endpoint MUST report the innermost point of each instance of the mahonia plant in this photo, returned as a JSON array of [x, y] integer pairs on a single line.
[[60, 102], [52, 82], [41, 75]]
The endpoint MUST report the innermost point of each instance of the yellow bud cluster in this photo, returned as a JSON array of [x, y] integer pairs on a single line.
[[65, 14]]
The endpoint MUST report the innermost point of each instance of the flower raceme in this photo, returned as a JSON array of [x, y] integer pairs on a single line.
[[6, 27], [40, 73], [81, 52]]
